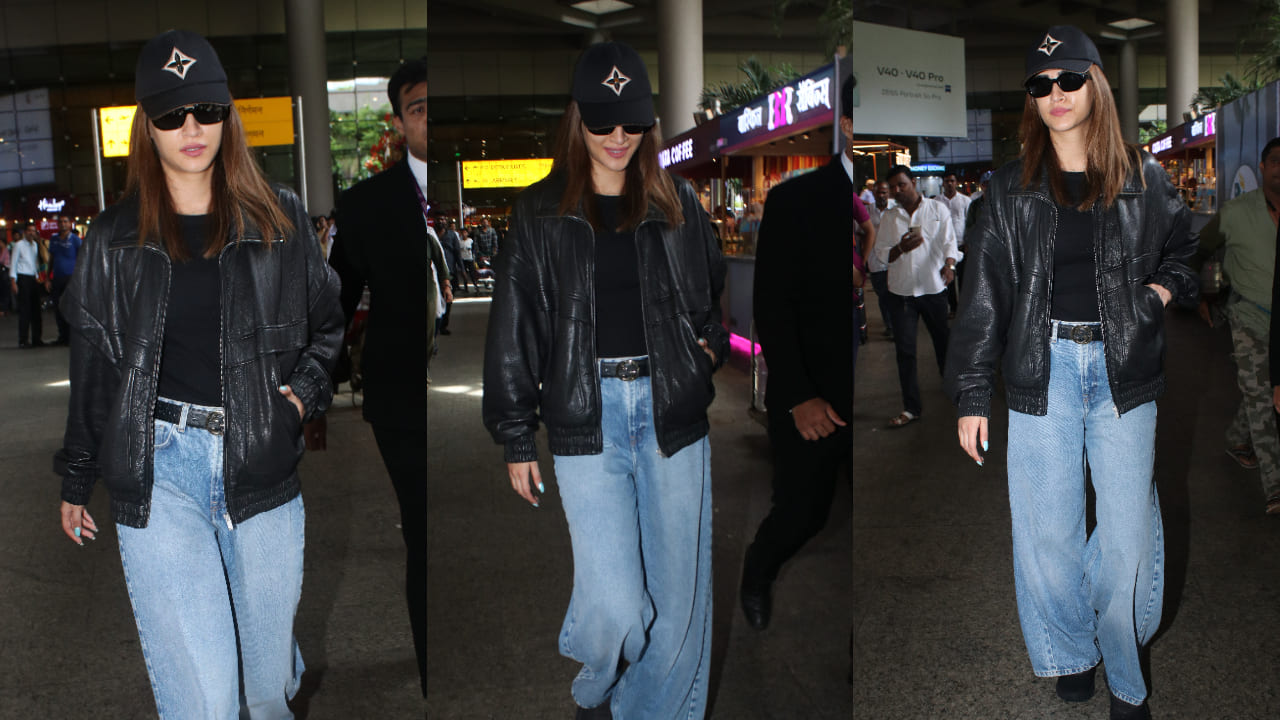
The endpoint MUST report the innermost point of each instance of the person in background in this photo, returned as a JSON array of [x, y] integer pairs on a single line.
[[24, 282], [384, 243], [877, 267], [1082, 243], [204, 328], [63, 249], [1246, 228], [584, 337], [811, 356]]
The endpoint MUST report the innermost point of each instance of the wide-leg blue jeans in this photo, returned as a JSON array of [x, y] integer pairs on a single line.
[[214, 603], [640, 524], [1084, 597]]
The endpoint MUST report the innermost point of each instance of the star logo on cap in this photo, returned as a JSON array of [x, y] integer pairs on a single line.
[[179, 63], [616, 81], [1049, 45]]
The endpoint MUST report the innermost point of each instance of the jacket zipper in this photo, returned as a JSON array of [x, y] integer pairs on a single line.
[[595, 363], [154, 393], [648, 347]]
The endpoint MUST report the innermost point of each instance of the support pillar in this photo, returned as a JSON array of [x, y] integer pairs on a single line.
[[304, 27], [679, 63], [1183, 58], [1129, 90]]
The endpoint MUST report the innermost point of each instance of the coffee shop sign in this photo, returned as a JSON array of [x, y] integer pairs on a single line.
[[50, 205], [784, 105]]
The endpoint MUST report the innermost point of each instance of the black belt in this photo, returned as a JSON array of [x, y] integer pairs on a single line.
[[1083, 334], [625, 369], [215, 421]]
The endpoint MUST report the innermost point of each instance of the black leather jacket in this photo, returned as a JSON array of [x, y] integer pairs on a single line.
[[281, 324], [1143, 238], [540, 351]]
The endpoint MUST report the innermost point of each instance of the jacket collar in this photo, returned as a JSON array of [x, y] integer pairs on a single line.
[[125, 227], [1132, 184]]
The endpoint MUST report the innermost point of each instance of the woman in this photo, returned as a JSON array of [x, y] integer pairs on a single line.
[[205, 325], [1082, 243], [606, 325]]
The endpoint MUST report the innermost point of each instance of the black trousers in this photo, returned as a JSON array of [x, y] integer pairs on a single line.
[[29, 317], [60, 283], [404, 452], [804, 481], [907, 312]]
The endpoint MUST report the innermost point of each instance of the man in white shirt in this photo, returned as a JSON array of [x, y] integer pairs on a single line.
[[958, 203], [919, 246], [878, 268], [23, 269]]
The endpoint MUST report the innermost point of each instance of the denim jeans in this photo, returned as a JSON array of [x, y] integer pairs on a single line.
[[200, 588], [1080, 597], [640, 525]]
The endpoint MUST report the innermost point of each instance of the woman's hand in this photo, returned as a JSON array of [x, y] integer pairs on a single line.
[[710, 353], [1165, 295], [287, 391], [77, 523], [973, 432], [524, 477]]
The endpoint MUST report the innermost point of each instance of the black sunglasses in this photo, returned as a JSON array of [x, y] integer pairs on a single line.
[[628, 129], [206, 114], [1041, 85]]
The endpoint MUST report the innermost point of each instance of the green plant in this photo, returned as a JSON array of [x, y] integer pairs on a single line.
[[836, 20], [1148, 133], [760, 80], [1230, 88]]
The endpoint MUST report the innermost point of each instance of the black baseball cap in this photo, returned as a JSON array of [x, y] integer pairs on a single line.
[[612, 87], [178, 68], [1065, 47]]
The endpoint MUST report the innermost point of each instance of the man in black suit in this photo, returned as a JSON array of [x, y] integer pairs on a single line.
[[383, 242], [806, 330]]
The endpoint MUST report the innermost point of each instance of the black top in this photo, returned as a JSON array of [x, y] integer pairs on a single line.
[[619, 317], [190, 364], [1075, 288]]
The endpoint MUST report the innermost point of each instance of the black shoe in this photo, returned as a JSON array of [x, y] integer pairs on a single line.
[[1077, 687], [757, 604], [24, 345], [62, 341], [38, 343], [599, 712], [1121, 710], [446, 331]]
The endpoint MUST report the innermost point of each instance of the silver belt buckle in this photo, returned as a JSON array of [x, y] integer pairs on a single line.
[[1082, 334], [215, 422], [628, 370]]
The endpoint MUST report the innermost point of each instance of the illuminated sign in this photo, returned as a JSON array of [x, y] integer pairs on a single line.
[[266, 121], [1164, 144], [503, 173], [676, 154], [50, 205], [114, 124], [806, 103], [1202, 128]]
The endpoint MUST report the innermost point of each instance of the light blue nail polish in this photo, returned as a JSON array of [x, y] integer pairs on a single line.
[[540, 488], [77, 532], [535, 504], [980, 463], [984, 445], [283, 388]]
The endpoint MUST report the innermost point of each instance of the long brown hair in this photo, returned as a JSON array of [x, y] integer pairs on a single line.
[[1110, 159], [646, 182], [240, 192]]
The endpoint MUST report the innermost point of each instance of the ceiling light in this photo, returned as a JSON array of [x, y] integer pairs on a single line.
[[601, 7], [1132, 23]]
